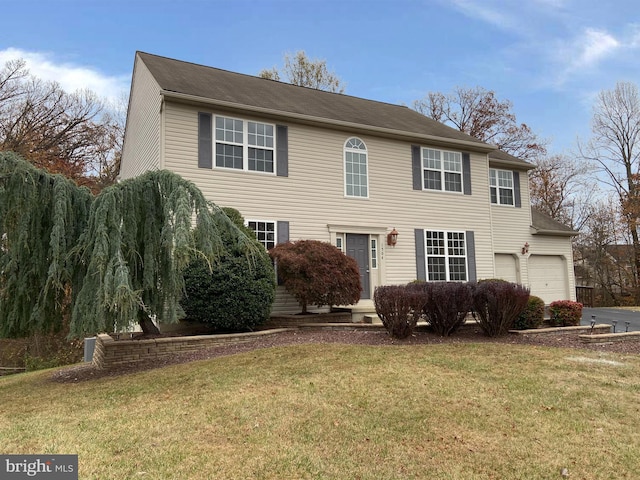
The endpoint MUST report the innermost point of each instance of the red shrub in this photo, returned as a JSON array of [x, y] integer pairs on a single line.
[[317, 273], [565, 313], [399, 308]]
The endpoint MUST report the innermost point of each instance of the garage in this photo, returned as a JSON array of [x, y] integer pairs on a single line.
[[506, 267], [548, 277]]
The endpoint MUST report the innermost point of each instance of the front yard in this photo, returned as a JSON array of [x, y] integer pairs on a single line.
[[451, 411]]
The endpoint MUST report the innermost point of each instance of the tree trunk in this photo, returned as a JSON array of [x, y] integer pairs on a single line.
[[147, 324]]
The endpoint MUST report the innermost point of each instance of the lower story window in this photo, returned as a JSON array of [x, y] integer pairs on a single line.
[[446, 256], [265, 232]]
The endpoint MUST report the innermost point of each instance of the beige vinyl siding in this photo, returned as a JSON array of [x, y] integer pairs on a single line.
[[142, 142], [511, 230], [312, 196]]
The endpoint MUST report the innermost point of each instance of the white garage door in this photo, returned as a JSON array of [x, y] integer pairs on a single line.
[[506, 268], [548, 277]]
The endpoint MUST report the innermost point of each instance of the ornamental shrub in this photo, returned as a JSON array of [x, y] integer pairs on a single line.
[[565, 313], [447, 305], [497, 304], [532, 316], [236, 294], [399, 308], [317, 273]]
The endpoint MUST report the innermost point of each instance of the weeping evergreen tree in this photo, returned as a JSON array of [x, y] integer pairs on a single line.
[[112, 260], [42, 216], [138, 241]]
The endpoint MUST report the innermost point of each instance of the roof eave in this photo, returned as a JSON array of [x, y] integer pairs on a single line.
[[522, 165], [553, 233], [329, 123]]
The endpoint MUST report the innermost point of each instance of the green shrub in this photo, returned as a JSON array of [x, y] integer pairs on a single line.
[[399, 308], [447, 305], [317, 273], [565, 313], [532, 316], [497, 304], [237, 295]]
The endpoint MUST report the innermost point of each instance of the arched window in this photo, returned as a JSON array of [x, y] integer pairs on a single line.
[[356, 176]]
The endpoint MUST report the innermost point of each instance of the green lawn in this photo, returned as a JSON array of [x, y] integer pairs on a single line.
[[483, 411]]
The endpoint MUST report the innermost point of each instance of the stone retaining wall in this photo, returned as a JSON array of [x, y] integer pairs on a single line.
[[110, 353], [611, 337], [601, 328]]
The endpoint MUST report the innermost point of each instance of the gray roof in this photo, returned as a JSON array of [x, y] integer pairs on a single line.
[[543, 224], [239, 90], [498, 157]]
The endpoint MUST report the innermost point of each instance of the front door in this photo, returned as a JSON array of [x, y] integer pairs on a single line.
[[358, 248]]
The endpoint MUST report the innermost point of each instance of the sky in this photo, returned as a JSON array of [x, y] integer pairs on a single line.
[[550, 58]]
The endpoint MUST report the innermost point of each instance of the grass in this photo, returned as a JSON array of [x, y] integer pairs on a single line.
[[468, 411]]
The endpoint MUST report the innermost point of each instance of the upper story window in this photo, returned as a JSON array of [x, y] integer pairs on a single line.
[[442, 170], [244, 145], [501, 186], [446, 256], [356, 176]]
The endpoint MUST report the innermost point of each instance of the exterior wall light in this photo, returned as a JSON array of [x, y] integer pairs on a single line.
[[392, 237], [525, 248]]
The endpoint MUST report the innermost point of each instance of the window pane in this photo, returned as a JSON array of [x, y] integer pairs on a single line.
[[432, 180], [265, 233], [494, 195], [228, 156], [437, 269], [355, 174], [506, 196], [457, 269], [452, 182], [260, 160]]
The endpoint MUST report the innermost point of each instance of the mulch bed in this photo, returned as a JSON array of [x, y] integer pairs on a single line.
[[469, 334]]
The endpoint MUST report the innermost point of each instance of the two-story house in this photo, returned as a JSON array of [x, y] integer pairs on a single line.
[[300, 163]]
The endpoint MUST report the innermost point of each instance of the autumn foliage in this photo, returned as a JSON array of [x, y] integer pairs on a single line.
[[317, 273]]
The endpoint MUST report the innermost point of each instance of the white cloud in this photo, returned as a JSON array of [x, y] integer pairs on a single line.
[[71, 77], [594, 46]]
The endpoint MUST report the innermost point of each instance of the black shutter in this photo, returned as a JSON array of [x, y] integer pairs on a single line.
[[416, 167], [516, 190], [205, 141], [466, 173], [421, 267], [471, 255], [282, 151], [283, 232]]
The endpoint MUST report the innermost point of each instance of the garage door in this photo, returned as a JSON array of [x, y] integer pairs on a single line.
[[548, 277], [506, 268]]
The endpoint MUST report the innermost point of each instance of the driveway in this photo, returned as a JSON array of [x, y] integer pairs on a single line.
[[609, 315]]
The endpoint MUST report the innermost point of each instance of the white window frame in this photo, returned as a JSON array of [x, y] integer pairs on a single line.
[[496, 184], [361, 149], [447, 255], [266, 232], [340, 242], [245, 144], [442, 171]]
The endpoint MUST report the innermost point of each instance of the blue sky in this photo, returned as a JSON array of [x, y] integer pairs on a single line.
[[549, 57]]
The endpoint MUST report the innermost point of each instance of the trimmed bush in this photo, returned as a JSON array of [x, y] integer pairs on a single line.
[[497, 304], [532, 316], [447, 305], [237, 294], [317, 273], [565, 313], [399, 308]]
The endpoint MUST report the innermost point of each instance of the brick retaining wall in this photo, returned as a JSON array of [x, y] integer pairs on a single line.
[[110, 353]]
